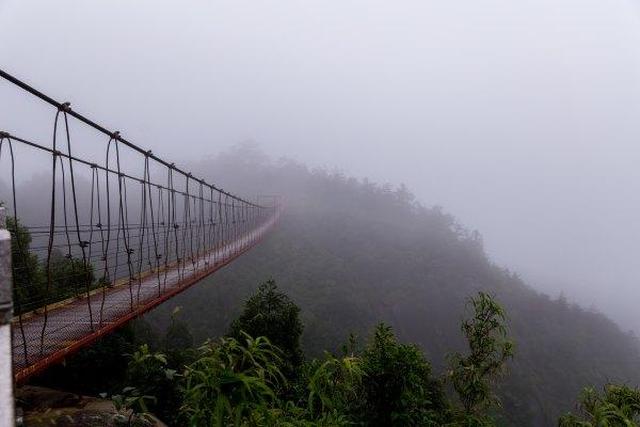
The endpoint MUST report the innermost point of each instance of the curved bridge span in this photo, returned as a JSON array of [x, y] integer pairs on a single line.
[[109, 231]]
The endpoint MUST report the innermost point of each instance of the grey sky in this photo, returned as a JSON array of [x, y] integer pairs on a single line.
[[519, 117]]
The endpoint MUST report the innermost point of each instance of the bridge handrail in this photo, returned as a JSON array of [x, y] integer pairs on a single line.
[[116, 135]]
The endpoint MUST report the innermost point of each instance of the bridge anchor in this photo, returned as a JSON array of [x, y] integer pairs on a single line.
[[7, 417]]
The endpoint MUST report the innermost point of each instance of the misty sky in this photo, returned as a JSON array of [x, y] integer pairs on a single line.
[[519, 117]]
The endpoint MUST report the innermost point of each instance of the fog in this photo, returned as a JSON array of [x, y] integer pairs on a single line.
[[518, 117]]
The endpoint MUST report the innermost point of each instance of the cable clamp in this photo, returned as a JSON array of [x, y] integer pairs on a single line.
[[94, 166], [83, 244], [4, 134], [115, 135], [65, 106], [148, 153]]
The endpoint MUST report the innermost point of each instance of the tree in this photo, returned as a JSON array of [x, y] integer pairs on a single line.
[[29, 282], [69, 275], [489, 349], [178, 336], [398, 387], [272, 314]]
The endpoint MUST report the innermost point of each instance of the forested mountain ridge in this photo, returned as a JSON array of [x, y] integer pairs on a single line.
[[351, 253]]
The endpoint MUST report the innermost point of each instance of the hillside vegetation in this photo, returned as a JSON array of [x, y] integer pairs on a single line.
[[352, 254]]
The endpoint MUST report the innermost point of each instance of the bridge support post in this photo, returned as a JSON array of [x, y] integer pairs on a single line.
[[7, 416]]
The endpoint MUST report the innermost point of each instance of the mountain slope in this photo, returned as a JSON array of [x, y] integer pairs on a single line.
[[352, 254]]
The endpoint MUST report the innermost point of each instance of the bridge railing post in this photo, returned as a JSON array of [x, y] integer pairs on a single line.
[[7, 417]]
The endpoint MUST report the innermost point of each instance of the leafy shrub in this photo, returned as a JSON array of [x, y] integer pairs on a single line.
[[231, 381], [398, 386], [618, 406], [271, 314]]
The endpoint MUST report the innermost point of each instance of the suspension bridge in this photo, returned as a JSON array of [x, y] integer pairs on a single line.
[[106, 233]]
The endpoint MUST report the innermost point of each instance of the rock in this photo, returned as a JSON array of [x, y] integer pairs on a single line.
[[46, 407], [32, 398]]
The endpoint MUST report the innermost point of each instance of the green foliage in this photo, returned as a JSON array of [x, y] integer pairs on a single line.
[[238, 381], [618, 406], [29, 280], [334, 384], [132, 408], [230, 381], [178, 336], [69, 276], [235, 382], [150, 374], [177, 342], [272, 314], [399, 389], [489, 349]]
